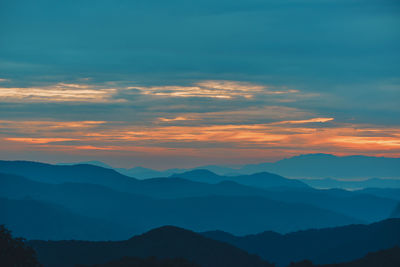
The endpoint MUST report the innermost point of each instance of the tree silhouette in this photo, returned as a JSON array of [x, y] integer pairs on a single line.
[[14, 252]]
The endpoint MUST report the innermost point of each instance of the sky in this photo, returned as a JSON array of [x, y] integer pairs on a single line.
[[184, 83]]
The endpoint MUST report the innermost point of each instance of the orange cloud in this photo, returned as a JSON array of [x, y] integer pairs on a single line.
[[38, 140], [264, 140], [60, 92], [174, 119], [212, 89], [305, 121]]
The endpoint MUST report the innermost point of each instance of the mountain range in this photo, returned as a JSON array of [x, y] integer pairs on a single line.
[[163, 242], [261, 180], [240, 220], [135, 206], [43, 220], [315, 166], [141, 213], [384, 258], [352, 184], [324, 246], [321, 246]]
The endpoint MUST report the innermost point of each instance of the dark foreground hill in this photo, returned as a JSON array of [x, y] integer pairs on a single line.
[[14, 252], [164, 242], [323, 246], [383, 258], [147, 262]]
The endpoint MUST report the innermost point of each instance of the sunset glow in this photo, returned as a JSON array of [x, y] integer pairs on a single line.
[[268, 140], [256, 81]]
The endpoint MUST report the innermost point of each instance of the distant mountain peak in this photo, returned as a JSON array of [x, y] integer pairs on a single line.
[[92, 162], [196, 173], [264, 173], [201, 171], [163, 242]]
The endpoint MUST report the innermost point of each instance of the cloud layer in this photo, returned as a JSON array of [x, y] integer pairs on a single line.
[[185, 83]]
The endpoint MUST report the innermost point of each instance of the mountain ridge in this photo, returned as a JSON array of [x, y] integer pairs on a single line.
[[317, 166], [349, 242], [162, 242]]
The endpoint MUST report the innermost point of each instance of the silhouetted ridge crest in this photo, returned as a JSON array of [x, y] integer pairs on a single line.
[[166, 231], [199, 172], [348, 242], [382, 258], [261, 179], [163, 242]]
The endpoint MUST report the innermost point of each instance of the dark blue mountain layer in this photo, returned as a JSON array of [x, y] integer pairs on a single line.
[[42, 220], [396, 212], [302, 166], [323, 246], [261, 180], [81, 173], [156, 187], [236, 214], [325, 165], [353, 185]]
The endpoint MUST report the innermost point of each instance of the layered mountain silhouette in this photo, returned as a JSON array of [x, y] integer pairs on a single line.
[[42, 220], [353, 185], [82, 173], [157, 187], [238, 214], [136, 206], [303, 166], [261, 180], [392, 193], [146, 173], [365, 208], [326, 165], [86, 202], [164, 242], [323, 246]]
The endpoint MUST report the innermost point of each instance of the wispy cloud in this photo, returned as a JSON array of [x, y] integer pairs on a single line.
[[271, 135], [38, 140], [90, 93], [174, 119], [255, 122], [60, 92], [313, 120], [213, 89]]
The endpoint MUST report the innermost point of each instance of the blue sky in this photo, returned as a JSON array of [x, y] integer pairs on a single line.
[[145, 81]]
